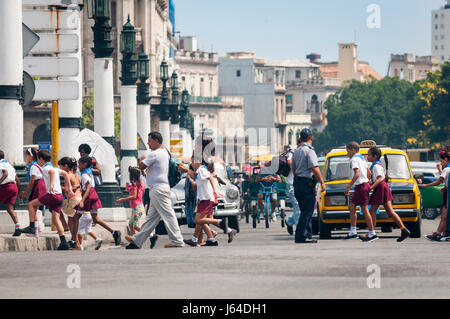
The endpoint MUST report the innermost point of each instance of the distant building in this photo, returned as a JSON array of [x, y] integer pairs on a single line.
[[440, 33], [410, 68]]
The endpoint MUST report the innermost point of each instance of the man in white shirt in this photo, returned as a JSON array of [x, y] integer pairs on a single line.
[[157, 167], [9, 188]]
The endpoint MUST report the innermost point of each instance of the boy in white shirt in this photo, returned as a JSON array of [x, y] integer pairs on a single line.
[[53, 199], [9, 189], [359, 168]]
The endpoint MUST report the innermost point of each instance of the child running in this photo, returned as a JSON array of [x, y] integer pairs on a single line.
[[53, 199], [136, 190], [90, 202], [69, 165], [206, 197], [35, 183], [439, 234], [381, 192], [9, 188], [359, 168]]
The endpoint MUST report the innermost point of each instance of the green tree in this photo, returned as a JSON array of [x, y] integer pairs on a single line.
[[376, 110]]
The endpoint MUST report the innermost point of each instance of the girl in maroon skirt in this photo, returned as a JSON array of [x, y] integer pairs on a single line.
[[381, 192], [90, 201], [36, 185]]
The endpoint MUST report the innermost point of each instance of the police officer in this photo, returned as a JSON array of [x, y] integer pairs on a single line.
[[305, 168]]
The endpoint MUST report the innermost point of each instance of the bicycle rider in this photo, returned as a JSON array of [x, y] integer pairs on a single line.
[[268, 178]]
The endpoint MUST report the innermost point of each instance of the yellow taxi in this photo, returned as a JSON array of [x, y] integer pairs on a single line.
[[334, 213]]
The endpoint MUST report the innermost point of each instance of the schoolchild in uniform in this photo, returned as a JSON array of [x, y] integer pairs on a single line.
[[359, 168], [382, 194], [53, 199], [9, 188]]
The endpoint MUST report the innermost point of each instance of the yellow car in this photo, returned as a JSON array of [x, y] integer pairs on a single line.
[[334, 214]]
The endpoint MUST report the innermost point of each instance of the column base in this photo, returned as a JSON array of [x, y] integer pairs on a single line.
[[108, 194], [7, 225], [114, 214]]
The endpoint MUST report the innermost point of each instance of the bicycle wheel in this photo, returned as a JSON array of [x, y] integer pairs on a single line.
[[247, 211], [267, 212], [254, 216]]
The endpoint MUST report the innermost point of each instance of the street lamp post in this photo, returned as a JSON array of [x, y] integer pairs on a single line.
[[185, 124], [128, 92], [164, 113], [109, 192], [174, 107], [143, 99]]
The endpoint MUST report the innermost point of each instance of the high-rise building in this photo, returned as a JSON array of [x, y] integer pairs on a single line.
[[440, 33]]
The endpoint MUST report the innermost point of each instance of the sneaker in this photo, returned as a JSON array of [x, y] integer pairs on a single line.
[[190, 242], [36, 232], [349, 237], [289, 229], [153, 241], [231, 235], [28, 230], [433, 237], [274, 217], [63, 246], [211, 243], [369, 239], [98, 243], [116, 234], [405, 234], [445, 238], [132, 246], [17, 232], [72, 244]]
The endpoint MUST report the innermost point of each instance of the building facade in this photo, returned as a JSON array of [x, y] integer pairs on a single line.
[[440, 33], [410, 68]]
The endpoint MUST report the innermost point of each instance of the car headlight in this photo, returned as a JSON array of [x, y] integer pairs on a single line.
[[335, 201], [232, 194], [401, 199]]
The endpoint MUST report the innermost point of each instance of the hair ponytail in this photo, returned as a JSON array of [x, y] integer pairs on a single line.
[[387, 166]]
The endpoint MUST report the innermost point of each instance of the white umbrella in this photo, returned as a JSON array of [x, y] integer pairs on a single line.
[[102, 151]]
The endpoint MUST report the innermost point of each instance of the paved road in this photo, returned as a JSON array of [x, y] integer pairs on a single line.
[[260, 263]]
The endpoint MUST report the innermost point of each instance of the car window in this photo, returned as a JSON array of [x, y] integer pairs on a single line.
[[397, 166], [220, 170]]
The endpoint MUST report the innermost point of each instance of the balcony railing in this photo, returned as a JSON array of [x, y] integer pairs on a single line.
[[231, 100]]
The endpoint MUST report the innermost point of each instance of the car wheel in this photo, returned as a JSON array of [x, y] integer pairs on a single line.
[[324, 230], [386, 229], [414, 227], [430, 213], [233, 223]]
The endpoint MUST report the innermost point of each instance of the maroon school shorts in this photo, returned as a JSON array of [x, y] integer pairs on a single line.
[[8, 193], [381, 194], [38, 189], [52, 201], [361, 195], [205, 207]]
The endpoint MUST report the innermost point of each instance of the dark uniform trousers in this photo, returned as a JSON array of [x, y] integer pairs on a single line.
[[305, 193]]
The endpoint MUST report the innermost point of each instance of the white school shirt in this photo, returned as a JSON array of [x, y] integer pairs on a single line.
[[360, 163], [290, 178], [378, 170], [85, 178], [36, 171], [445, 174], [204, 187], [46, 174], [11, 178]]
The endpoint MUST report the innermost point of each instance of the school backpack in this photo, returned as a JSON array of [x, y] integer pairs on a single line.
[[283, 165], [174, 174]]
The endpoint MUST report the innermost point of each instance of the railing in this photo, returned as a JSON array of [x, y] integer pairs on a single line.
[[234, 100]]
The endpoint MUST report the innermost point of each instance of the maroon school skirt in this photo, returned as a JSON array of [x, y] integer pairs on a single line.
[[8, 193], [205, 207], [92, 202], [381, 194], [38, 189], [361, 195], [52, 201]]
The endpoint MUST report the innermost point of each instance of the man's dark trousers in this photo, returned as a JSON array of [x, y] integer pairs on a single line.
[[305, 193]]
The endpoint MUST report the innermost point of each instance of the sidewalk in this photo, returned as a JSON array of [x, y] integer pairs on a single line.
[[49, 240]]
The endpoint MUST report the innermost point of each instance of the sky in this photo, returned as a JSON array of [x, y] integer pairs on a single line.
[[291, 29]]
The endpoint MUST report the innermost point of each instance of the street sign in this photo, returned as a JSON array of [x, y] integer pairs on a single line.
[[49, 20], [44, 146], [52, 90], [51, 66], [29, 39], [29, 88], [54, 43], [49, 2]]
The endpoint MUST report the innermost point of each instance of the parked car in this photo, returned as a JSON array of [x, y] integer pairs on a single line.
[[432, 200], [334, 213]]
